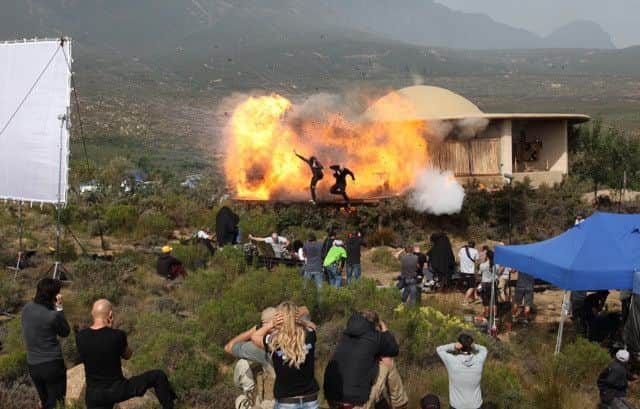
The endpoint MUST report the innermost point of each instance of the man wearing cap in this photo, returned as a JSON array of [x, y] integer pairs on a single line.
[[168, 266], [614, 380], [334, 261]]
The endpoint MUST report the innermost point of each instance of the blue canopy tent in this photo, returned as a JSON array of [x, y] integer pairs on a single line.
[[601, 253]]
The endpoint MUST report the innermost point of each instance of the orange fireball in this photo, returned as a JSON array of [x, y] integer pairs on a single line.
[[260, 163]]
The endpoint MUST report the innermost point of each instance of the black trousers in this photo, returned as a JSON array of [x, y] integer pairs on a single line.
[[339, 190], [50, 380], [104, 397]]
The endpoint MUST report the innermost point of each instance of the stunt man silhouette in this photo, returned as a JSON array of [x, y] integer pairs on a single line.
[[316, 170], [340, 187]]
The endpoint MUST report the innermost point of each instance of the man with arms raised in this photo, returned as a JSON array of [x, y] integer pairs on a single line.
[[100, 348]]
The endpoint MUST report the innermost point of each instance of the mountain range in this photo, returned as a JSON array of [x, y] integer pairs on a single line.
[[146, 26]]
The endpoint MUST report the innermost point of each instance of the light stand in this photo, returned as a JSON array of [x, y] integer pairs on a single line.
[[58, 270], [509, 178]]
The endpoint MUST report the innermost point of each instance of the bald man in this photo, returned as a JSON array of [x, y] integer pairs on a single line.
[[101, 348]]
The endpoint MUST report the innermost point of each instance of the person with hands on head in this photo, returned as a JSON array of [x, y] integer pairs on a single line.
[[291, 341], [101, 348], [464, 361], [43, 321]]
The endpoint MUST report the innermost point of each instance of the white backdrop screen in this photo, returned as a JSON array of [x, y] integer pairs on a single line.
[[34, 147]]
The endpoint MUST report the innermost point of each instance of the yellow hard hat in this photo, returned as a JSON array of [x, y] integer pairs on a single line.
[[166, 249]]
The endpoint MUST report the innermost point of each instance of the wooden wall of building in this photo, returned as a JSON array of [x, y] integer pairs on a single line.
[[479, 156]]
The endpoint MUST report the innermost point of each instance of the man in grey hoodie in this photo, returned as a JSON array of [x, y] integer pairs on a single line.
[[464, 362]]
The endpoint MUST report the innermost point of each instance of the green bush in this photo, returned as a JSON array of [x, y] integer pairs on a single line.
[[11, 294], [581, 362], [384, 236], [121, 218], [167, 342], [239, 306], [230, 260], [13, 360], [501, 386], [94, 279], [154, 223], [193, 256], [68, 251], [258, 222], [12, 365], [382, 257], [422, 330]]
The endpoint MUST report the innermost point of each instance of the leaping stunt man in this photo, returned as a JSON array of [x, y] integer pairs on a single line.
[[340, 187], [316, 170]]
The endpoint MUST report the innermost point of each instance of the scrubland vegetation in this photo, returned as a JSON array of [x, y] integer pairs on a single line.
[[182, 327]]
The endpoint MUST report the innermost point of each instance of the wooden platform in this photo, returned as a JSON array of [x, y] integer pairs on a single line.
[[370, 201]]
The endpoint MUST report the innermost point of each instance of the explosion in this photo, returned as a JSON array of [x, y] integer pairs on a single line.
[[264, 131]]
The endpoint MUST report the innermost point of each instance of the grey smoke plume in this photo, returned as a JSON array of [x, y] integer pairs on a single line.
[[469, 127], [436, 192]]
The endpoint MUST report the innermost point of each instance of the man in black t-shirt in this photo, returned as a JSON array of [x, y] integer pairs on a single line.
[[100, 348]]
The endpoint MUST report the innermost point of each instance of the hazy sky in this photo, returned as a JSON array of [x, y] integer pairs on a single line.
[[620, 18]]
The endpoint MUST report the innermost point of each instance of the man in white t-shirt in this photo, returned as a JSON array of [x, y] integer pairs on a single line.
[[278, 243], [468, 256], [204, 237]]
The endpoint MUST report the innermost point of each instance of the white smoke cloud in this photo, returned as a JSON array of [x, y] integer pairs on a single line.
[[436, 192]]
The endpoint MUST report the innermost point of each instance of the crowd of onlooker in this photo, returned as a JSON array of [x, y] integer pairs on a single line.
[[361, 372], [276, 361], [323, 261]]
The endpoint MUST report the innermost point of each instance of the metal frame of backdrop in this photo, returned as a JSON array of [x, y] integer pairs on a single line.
[[63, 141]]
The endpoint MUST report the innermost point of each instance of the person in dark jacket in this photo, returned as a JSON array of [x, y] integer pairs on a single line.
[[354, 376], [441, 258], [340, 187], [316, 173], [168, 266], [353, 246], [613, 382], [43, 321], [227, 230]]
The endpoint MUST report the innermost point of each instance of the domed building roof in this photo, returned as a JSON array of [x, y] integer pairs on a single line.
[[422, 102]]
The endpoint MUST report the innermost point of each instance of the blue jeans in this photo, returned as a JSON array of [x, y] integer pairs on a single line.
[[317, 277], [411, 292], [335, 278], [354, 270], [306, 405]]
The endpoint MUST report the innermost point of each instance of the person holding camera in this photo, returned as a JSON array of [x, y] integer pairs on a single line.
[[43, 321], [362, 367], [101, 347], [464, 361]]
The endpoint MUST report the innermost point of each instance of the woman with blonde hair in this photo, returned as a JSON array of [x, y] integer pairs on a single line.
[[291, 342]]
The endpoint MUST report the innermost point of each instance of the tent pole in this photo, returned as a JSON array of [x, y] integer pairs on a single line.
[[563, 316]]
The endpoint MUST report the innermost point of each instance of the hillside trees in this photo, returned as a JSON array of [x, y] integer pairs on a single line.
[[606, 157]]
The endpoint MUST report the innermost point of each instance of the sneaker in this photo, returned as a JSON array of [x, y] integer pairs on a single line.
[[243, 402]]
